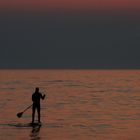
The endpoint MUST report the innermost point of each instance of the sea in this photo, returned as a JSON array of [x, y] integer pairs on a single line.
[[79, 104]]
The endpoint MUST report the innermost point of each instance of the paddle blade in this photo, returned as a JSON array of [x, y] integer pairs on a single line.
[[19, 115]]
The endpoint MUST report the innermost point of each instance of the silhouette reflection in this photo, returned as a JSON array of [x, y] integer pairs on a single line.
[[35, 133]]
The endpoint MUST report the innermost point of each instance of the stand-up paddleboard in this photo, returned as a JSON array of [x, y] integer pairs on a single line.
[[26, 125], [35, 124]]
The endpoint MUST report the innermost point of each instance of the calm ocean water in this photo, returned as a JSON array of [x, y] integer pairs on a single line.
[[80, 104]]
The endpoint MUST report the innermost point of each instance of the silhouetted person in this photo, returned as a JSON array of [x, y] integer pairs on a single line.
[[36, 103]]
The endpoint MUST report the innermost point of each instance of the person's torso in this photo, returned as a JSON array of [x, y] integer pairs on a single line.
[[36, 97]]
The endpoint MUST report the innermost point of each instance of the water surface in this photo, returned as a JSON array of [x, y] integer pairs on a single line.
[[80, 104]]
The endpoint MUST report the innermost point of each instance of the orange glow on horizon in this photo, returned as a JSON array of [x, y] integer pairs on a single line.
[[71, 4]]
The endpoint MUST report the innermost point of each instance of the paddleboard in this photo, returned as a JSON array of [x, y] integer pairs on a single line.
[[35, 124], [26, 125]]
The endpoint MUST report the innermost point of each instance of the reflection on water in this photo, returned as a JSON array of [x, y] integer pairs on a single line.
[[35, 133], [80, 104]]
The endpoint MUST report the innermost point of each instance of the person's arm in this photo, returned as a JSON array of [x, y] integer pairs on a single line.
[[32, 98], [43, 96]]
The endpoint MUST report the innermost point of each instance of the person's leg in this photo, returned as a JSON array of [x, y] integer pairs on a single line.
[[38, 111], [33, 113]]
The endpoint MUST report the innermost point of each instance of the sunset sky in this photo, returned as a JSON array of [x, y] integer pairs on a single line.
[[70, 4], [69, 34]]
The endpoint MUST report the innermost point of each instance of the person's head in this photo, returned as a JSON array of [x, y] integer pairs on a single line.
[[37, 89]]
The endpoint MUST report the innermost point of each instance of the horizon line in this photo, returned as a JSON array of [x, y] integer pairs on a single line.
[[69, 68]]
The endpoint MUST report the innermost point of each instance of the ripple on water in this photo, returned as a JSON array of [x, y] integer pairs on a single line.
[[54, 125]]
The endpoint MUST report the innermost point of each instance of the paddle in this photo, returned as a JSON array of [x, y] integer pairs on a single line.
[[19, 115]]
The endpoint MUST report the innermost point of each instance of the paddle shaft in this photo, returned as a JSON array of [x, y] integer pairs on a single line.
[[28, 108]]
